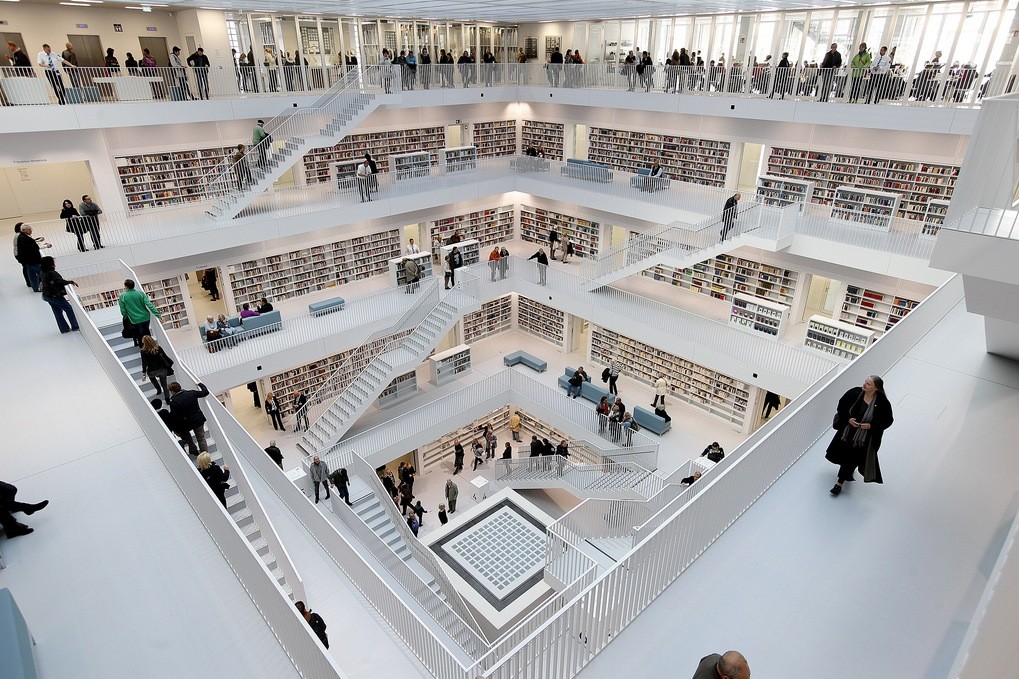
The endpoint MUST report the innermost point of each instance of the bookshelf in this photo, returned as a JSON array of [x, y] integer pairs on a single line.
[[172, 178], [494, 317], [916, 182], [934, 217], [495, 138], [345, 174], [541, 320], [725, 275], [380, 144], [546, 137], [470, 250], [433, 454], [685, 159], [166, 293], [864, 207], [874, 310], [460, 159], [532, 425], [396, 274], [839, 339], [449, 365], [411, 165], [535, 223], [399, 390], [758, 315], [713, 392], [783, 191], [298, 272], [489, 227]]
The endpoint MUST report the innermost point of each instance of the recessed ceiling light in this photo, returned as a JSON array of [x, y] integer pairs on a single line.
[[76, 4]]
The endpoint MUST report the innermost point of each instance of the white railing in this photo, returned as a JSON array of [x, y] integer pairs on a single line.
[[625, 478], [983, 221]]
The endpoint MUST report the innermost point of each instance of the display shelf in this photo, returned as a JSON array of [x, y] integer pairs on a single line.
[[460, 159], [396, 274], [449, 365], [535, 223], [545, 137], [310, 377], [400, 389], [916, 182], [166, 294], [864, 207], [433, 454], [684, 159], [494, 317], [495, 138], [411, 165], [172, 178], [318, 161], [715, 393], [489, 227], [758, 315], [724, 276], [299, 272], [541, 320], [783, 191], [934, 217], [874, 310], [839, 339], [470, 250]]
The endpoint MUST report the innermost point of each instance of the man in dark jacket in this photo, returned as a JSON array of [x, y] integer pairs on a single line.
[[171, 421], [200, 63], [730, 665], [555, 66], [729, 214], [315, 621], [29, 256], [184, 405], [8, 505], [542, 261], [275, 453], [831, 62], [536, 448]]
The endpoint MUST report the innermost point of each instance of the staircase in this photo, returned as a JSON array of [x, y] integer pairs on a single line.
[[236, 504], [612, 480], [324, 123]]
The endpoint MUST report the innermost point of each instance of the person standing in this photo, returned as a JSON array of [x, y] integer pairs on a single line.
[[491, 444], [420, 511], [542, 262], [458, 458], [53, 287], [425, 60], [464, 64], [272, 408], [9, 505], [200, 63], [454, 260], [27, 252], [239, 160], [729, 211], [137, 308], [73, 223], [879, 69], [257, 136], [412, 521], [555, 62], [615, 368], [714, 452], [602, 409], [386, 72], [185, 407], [217, 477], [364, 174], [156, 365], [341, 482], [90, 212], [858, 69], [630, 71], [536, 448], [180, 74], [319, 472], [783, 77], [863, 415], [452, 491], [52, 63], [373, 182], [831, 62], [71, 57], [443, 519], [493, 261], [412, 274], [514, 426], [274, 453], [20, 63], [553, 238], [315, 622], [771, 402], [300, 406], [412, 248], [503, 262], [662, 389], [730, 665]]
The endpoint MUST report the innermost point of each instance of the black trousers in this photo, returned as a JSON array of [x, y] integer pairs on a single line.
[[277, 421], [58, 85], [324, 483], [612, 384]]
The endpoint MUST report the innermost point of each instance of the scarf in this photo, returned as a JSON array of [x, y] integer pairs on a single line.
[[859, 437]]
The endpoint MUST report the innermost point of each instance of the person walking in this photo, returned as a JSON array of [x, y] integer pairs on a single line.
[[9, 504], [479, 454], [491, 444], [862, 416], [217, 477], [729, 211], [858, 68], [452, 492], [662, 389], [729, 665], [137, 308], [412, 521], [31, 257], [420, 512], [184, 405], [315, 622], [714, 452], [156, 365], [831, 62], [458, 456], [341, 482], [562, 452], [52, 63], [180, 75], [536, 448], [53, 287], [364, 174], [275, 454], [453, 261], [260, 141], [300, 406], [783, 77], [319, 473], [200, 63], [73, 223], [514, 426], [272, 409], [615, 368], [90, 212], [542, 262], [239, 161]]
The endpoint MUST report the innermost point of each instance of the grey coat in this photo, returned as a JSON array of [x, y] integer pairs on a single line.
[[452, 492], [319, 471]]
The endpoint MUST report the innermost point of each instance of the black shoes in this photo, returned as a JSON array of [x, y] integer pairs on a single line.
[[20, 529], [836, 489], [37, 506]]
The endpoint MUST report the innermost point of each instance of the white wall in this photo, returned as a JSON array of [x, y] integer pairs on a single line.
[[42, 187]]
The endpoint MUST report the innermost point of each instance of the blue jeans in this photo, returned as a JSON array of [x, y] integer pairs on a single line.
[[572, 390], [34, 271], [61, 306]]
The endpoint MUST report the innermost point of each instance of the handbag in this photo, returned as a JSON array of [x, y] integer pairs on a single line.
[[128, 331]]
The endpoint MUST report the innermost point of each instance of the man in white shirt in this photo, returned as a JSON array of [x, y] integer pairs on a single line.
[[52, 63], [879, 83], [412, 248], [364, 174]]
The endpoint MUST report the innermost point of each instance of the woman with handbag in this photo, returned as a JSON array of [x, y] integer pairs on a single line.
[[74, 223], [860, 422], [156, 365]]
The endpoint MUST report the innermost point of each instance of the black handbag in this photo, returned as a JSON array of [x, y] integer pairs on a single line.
[[128, 331]]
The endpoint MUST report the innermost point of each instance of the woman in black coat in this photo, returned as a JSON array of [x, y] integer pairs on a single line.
[[74, 223], [863, 415], [215, 476]]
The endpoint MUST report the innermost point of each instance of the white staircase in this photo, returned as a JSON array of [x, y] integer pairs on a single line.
[[236, 503], [324, 123], [611, 480]]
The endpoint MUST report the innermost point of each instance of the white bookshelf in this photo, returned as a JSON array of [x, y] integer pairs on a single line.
[[495, 138], [684, 159], [934, 218], [400, 389], [864, 207], [494, 317], [758, 315], [299, 272], [839, 339], [545, 137], [460, 159], [166, 293], [713, 392], [874, 310], [433, 454], [541, 320], [411, 165], [535, 223], [396, 274], [532, 426], [470, 250], [171, 178], [449, 365], [491, 226], [783, 191], [345, 174], [916, 182], [318, 161], [724, 276]]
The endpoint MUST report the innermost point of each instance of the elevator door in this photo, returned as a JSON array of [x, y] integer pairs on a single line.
[[89, 50], [157, 48]]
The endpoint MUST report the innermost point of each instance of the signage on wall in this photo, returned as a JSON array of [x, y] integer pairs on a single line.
[[26, 162], [117, 28], [150, 28], [82, 25]]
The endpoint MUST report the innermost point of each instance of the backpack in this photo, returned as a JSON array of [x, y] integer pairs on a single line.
[[605, 375], [634, 426]]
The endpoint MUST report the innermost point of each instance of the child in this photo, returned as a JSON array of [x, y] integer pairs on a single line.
[[420, 511], [442, 515]]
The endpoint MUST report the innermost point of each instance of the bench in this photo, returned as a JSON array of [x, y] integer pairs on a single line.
[[564, 379], [531, 362], [645, 182], [530, 164], [648, 420], [586, 170], [326, 306], [16, 642], [255, 326]]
